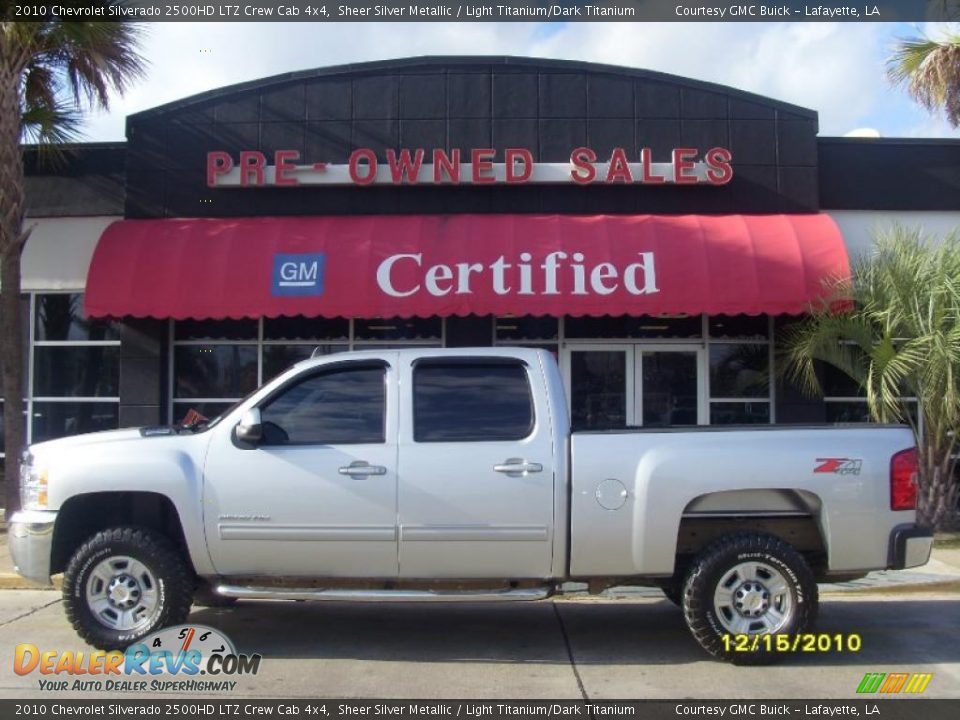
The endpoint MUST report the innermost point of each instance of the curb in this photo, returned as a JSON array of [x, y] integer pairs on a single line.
[[12, 581], [937, 586]]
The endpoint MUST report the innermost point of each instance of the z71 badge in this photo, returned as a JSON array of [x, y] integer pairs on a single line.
[[838, 466]]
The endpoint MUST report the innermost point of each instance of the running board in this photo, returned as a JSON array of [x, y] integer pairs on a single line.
[[346, 595]]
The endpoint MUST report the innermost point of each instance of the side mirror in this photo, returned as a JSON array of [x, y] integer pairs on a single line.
[[250, 429]]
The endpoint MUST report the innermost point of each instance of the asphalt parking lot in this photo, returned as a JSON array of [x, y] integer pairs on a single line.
[[585, 648]]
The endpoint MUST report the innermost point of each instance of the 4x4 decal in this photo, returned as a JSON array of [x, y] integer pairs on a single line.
[[838, 466]]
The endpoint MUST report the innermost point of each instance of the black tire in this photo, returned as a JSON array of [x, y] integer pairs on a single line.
[[674, 593], [174, 585], [204, 596], [717, 562]]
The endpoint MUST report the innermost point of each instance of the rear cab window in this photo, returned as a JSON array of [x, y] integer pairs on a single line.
[[471, 400]]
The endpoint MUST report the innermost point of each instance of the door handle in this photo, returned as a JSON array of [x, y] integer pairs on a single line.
[[517, 466], [359, 468]]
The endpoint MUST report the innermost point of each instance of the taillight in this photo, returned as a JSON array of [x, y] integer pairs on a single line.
[[903, 480]]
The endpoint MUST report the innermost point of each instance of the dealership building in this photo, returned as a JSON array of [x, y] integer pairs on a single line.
[[657, 234]]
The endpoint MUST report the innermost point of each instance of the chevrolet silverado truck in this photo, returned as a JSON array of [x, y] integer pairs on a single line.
[[453, 475]]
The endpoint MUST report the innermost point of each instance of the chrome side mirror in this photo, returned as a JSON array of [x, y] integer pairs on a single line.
[[250, 429]]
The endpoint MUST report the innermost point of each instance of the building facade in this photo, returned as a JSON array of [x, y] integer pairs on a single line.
[[655, 233]]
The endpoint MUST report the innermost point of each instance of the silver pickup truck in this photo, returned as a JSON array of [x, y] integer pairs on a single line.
[[452, 475]]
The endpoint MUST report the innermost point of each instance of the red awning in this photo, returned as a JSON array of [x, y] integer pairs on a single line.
[[382, 266]]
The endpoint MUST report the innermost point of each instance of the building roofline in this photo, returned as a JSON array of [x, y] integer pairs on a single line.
[[97, 145], [440, 61], [949, 142]]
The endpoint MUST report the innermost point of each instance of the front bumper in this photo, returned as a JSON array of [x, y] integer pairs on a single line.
[[910, 546], [30, 534]]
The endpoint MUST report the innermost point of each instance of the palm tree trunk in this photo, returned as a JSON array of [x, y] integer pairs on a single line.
[[12, 239], [938, 495]]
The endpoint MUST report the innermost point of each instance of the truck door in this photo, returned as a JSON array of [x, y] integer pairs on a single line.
[[476, 496], [318, 495]]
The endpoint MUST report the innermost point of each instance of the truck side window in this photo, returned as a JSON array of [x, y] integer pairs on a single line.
[[472, 401], [334, 407]]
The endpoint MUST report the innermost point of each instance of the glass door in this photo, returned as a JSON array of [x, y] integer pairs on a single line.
[[600, 387], [670, 387], [617, 386]]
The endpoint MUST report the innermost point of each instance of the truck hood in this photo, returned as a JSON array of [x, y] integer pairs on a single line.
[[99, 438]]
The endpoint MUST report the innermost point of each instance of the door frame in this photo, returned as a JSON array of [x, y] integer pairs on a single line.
[[634, 377]]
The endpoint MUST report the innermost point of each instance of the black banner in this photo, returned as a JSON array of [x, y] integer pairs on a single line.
[[494, 11], [879, 709]]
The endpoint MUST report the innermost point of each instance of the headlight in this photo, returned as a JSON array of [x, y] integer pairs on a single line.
[[33, 484]]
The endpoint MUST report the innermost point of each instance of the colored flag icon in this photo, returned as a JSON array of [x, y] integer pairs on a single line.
[[892, 683]]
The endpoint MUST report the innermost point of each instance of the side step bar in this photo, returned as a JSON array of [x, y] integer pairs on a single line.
[[347, 595]]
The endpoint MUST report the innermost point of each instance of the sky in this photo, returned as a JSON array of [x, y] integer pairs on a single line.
[[836, 69]]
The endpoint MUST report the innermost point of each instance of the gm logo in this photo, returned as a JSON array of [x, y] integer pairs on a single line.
[[299, 274]]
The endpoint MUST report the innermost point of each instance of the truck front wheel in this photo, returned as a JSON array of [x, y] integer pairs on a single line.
[[745, 591], [123, 584]]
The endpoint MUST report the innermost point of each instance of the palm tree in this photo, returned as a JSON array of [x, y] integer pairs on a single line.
[[894, 327], [930, 69], [47, 69]]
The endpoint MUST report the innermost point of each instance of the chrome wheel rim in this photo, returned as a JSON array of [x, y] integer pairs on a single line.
[[122, 593], [753, 598]]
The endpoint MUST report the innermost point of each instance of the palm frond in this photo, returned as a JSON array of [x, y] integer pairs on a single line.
[[930, 71], [51, 127]]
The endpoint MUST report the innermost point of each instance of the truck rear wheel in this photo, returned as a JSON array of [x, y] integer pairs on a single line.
[[123, 584], [745, 587]]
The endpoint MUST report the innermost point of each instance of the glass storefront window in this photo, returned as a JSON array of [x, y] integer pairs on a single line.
[[739, 370], [739, 413], [627, 327], [76, 371], [739, 326], [598, 389], [57, 419], [209, 410], [856, 411], [215, 371], [277, 358], [837, 383], [60, 317], [301, 328], [217, 362], [527, 327], [398, 329], [215, 330]]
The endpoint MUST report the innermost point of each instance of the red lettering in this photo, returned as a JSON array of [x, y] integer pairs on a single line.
[[449, 164], [583, 170], [525, 157], [646, 159], [619, 167], [682, 162], [252, 161], [218, 163], [282, 168], [481, 160], [363, 154], [404, 166], [719, 169]]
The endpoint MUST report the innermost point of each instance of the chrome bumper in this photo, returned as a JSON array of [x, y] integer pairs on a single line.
[[30, 535], [910, 546]]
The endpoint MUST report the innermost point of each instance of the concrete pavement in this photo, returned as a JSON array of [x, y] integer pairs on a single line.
[[592, 648]]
